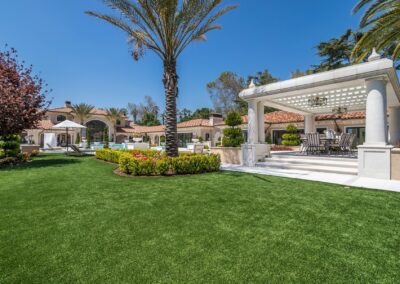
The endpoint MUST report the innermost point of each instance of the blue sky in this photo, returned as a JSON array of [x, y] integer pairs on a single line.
[[85, 60]]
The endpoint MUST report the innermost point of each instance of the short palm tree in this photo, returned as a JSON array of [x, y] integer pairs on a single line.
[[166, 27], [82, 111], [381, 21], [115, 115]]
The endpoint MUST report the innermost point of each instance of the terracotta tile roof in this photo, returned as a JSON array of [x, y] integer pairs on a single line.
[[141, 129], [94, 111], [44, 124], [194, 123], [288, 117]]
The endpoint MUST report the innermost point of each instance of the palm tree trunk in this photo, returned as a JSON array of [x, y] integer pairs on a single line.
[[170, 81]]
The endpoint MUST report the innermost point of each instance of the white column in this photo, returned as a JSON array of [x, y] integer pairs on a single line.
[[394, 126], [376, 116], [261, 123], [252, 127], [374, 157], [309, 123]]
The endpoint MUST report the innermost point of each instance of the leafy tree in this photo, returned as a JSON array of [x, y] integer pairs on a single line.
[[88, 138], [336, 52], [166, 28], [185, 115], [233, 136], [106, 138], [134, 111], [22, 98], [203, 113], [115, 115], [381, 22], [149, 119], [224, 93]]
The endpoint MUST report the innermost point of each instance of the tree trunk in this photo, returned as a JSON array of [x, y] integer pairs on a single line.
[[170, 81]]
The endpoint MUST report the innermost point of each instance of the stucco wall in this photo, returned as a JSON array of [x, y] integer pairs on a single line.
[[229, 155], [395, 164]]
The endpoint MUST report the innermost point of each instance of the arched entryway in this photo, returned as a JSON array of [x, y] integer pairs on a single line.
[[96, 129]]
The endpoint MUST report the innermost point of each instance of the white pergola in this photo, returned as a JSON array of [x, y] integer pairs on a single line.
[[372, 86]]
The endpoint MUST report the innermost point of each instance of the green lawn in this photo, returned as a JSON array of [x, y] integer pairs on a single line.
[[66, 220]]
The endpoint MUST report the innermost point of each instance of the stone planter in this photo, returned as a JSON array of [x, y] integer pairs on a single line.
[[27, 148], [229, 155], [395, 164]]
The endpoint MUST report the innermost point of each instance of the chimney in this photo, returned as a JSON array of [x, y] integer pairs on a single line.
[[68, 104], [215, 118]]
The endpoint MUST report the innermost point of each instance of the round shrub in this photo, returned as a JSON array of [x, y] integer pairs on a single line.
[[291, 136]]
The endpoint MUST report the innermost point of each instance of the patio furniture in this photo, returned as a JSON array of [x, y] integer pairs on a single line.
[[304, 143], [75, 151], [344, 144], [314, 143]]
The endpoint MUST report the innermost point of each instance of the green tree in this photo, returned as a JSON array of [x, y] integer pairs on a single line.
[[149, 119], [224, 93], [115, 115], [166, 27], [381, 22], [106, 138], [203, 113], [88, 138], [134, 111], [233, 136]]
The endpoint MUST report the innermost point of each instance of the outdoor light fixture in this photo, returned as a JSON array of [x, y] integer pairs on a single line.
[[317, 101], [339, 110]]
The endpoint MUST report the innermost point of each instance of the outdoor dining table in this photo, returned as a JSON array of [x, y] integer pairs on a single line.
[[326, 142]]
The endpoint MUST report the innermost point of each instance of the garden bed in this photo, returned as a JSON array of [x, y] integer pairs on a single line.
[[156, 163]]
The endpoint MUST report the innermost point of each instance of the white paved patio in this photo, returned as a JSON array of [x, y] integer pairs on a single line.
[[346, 180]]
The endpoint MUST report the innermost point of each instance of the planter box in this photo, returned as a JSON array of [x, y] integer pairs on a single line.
[[229, 155], [395, 164], [29, 148]]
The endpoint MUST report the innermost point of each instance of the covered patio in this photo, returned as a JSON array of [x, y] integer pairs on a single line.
[[372, 86]]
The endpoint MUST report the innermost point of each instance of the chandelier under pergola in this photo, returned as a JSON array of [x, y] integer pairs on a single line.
[[317, 101], [339, 110]]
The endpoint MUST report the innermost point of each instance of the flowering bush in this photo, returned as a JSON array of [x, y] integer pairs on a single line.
[[148, 162]]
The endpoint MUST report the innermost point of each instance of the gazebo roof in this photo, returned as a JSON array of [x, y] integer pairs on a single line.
[[343, 87]]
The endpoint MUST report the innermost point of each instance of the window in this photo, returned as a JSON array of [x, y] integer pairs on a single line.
[[61, 118], [118, 122], [321, 130], [207, 136], [360, 134]]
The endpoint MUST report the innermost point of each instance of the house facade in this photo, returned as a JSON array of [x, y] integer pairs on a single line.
[[209, 131]]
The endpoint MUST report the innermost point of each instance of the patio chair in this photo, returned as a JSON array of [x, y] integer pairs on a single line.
[[345, 143], [304, 144], [75, 151], [314, 143]]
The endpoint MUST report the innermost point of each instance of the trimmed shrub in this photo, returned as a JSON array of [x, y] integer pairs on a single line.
[[10, 146], [291, 137], [233, 136]]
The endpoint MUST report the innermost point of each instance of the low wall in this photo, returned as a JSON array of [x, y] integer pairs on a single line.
[[29, 148], [395, 164], [229, 155]]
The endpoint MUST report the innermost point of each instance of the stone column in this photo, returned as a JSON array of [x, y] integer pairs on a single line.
[[374, 158], [252, 127], [394, 126], [261, 123], [376, 116], [309, 123]]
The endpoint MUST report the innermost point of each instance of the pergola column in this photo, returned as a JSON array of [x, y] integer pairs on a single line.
[[261, 122], [252, 127], [394, 126], [309, 123], [376, 113], [374, 156]]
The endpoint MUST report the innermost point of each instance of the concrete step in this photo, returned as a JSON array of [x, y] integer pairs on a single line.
[[348, 163], [311, 167]]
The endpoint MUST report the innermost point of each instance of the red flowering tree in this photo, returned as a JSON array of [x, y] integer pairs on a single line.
[[22, 98]]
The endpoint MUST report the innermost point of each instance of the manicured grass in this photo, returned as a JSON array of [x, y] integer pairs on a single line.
[[65, 219]]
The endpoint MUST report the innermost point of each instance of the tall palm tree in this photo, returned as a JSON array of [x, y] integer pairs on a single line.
[[166, 27], [381, 21], [134, 111], [115, 115], [82, 111]]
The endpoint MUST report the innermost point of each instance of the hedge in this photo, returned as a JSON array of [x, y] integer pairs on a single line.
[[149, 163]]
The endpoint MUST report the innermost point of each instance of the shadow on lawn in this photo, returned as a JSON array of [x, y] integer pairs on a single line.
[[42, 163]]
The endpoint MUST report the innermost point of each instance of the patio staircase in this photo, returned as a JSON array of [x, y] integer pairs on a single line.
[[321, 164]]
